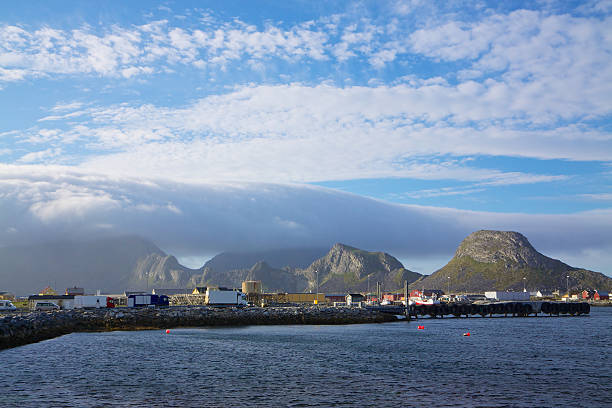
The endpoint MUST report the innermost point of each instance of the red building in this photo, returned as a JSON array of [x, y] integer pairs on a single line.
[[601, 296], [587, 294], [393, 297], [426, 293]]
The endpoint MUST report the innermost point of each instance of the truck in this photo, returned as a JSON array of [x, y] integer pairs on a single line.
[[225, 297], [92, 302], [148, 301]]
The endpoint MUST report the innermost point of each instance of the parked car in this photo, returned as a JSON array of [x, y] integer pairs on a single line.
[[7, 305], [44, 306]]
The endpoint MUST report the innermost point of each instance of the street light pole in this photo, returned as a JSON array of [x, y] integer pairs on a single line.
[[524, 283], [567, 285], [448, 285], [317, 295]]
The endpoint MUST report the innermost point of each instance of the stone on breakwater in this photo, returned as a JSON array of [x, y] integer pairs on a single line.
[[18, 330]]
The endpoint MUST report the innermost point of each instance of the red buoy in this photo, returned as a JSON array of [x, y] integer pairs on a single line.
[[466, 334], [167, 331], [421, 327]]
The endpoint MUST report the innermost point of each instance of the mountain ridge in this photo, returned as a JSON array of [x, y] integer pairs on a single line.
[[484, 260], [506, 260], [346, 268]]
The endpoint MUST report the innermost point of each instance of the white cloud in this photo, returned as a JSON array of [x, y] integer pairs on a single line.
[[526, 54], [563, 58], [296, 133], [439, 192], [40, 156], [59, 203], [598, 196], [69, 106], [132, 51]]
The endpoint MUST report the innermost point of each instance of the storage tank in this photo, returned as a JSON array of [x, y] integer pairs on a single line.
[[251, 287]]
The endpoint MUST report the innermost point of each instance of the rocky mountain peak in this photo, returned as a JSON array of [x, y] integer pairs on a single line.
[[505, 260], [341, 254], [508, 247], [337, 247], [260, 266], [346, 268]]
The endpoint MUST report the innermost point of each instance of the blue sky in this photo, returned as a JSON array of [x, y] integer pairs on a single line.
[[499, 111]]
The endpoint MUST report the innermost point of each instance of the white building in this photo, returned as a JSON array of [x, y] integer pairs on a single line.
[[516, 296]]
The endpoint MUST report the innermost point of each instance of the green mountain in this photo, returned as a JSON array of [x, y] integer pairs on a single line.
[[347, 269], [505, 260]]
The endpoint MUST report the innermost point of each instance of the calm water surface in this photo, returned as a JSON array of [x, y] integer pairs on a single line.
[[514, 362]]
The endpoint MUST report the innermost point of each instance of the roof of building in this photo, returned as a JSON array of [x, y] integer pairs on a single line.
[[50, 297], [172, 291]]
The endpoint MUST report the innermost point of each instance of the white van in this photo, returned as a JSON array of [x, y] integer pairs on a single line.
[[45, 306], [7, 305]]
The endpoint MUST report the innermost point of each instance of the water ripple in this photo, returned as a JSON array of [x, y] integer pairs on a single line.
[[505, 362]]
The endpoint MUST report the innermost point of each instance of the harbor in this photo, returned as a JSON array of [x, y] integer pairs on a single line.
[[17, 329]]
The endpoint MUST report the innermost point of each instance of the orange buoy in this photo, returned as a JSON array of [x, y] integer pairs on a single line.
[[167, 331]]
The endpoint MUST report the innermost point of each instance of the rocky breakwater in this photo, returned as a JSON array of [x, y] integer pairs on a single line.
[[20, 329]]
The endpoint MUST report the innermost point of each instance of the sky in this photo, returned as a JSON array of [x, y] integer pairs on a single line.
[[400, 126]]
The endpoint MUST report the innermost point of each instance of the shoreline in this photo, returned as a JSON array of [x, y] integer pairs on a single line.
[[22, 329]]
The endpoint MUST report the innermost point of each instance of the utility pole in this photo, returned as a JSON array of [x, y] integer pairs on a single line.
[[317, 295], [406, 299], [448, 287]]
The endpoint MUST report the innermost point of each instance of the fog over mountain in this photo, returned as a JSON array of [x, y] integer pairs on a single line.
[[109, 264], [42, 204], [277, 258]]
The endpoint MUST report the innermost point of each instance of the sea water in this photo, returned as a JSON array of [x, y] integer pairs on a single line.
[[505, 362]]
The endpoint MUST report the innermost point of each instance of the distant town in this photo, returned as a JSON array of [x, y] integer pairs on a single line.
[[252, 294]]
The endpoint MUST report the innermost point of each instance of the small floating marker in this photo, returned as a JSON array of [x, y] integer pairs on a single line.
[[421, 327], [466, 334], [167, 331]]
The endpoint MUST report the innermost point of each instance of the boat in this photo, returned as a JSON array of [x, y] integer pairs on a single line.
[[426, 301], [422, 301]]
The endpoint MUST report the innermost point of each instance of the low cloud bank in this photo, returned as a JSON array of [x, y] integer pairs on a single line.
[[187, 219]]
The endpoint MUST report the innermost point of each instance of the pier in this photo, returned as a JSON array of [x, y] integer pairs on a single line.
[[498, 309]]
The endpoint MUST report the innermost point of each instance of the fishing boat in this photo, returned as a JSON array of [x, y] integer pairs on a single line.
[[425, 301]]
